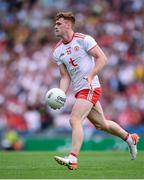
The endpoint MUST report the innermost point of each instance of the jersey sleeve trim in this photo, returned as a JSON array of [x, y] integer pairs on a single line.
[[92, 47]]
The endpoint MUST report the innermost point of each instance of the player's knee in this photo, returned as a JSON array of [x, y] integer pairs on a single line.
[[98, 126], [103, 126]]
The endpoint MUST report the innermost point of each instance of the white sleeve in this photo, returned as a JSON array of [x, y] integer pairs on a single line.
[[56, 59], [89, 43]]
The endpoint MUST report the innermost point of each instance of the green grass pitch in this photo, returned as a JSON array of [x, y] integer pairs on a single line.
[[92, 165]]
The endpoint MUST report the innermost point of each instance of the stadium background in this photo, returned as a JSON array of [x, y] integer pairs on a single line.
[[27, 71]]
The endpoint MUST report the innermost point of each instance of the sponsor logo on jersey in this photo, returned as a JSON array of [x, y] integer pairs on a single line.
[[72, 62], [62, 54]]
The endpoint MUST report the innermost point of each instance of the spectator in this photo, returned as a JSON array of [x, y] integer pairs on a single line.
[[27, 71]]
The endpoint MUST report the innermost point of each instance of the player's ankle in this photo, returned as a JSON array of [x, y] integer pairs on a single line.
[[73, 157], [131, 139], [128, 139]]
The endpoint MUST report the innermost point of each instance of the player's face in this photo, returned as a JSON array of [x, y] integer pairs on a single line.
[[60, 27]]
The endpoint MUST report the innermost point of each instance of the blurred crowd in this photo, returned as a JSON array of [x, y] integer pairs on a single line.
[[27, 70]]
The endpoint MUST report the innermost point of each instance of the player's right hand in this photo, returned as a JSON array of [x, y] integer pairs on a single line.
[[89, 80]]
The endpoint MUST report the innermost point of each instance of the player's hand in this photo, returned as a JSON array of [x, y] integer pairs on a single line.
[[89, 80]]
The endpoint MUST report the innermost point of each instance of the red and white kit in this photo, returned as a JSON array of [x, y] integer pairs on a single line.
[[74, 55]]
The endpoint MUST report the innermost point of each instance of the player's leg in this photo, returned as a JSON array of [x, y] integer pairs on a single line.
[[79, 112], [96, 116]]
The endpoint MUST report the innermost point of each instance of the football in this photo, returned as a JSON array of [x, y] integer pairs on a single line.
[[55, 98]]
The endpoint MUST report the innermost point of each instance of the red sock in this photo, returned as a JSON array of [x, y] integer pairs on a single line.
[[73, 154], [73, 157]]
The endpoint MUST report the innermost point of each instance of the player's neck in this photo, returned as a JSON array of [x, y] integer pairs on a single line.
[[68, 36]]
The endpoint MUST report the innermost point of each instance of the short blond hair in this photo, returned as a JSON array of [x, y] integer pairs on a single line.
[[66, 15]]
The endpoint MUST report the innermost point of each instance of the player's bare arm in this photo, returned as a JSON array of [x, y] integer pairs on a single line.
[[100, 59], [65, 78]]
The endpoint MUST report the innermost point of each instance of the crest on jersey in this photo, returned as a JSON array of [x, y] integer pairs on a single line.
[[76, 48]]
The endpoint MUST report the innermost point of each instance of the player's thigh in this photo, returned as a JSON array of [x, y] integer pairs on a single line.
[[81, 108], [96, 115]]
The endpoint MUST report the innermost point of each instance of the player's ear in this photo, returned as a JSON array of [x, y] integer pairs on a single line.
[[68, 24]]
